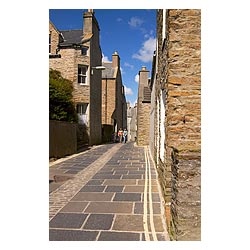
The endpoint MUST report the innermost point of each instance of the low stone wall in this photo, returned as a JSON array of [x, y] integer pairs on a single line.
[[62, 138], [186, 196]]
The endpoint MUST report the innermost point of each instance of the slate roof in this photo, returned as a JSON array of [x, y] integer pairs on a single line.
[[71, 37], [109, 71]]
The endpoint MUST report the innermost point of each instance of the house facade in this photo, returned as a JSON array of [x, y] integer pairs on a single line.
[[76, 54], [175, 119], [114, 106]]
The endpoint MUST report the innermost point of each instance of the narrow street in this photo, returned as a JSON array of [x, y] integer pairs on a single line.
[[108, 193]]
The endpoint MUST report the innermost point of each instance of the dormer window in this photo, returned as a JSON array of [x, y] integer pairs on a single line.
[[84, 50]]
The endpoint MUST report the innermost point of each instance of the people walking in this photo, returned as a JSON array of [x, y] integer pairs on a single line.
[[120, 134], [125, 134]]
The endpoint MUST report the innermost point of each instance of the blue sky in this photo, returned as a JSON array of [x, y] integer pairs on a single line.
[[130, 32]]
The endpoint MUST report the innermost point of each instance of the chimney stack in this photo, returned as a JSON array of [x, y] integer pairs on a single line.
[[115, 60], [143, 76]]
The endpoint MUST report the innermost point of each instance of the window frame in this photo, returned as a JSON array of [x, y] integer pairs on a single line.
[[81, 75]]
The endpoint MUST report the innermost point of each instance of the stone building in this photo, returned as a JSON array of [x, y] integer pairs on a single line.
[[114, 107], [143, 108], [175, 139], [131, 122], [76, 54]]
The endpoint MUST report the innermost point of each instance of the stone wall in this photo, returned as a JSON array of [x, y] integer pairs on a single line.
[[179, 74], [54, 38], [108, 100], [143, 123], [62, 139], [143, 110], [184, 119], [186, 198], [67, 64]]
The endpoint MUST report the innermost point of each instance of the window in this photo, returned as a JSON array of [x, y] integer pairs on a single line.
[[84, 50], [49, 43], [82, 74], [81, 108]]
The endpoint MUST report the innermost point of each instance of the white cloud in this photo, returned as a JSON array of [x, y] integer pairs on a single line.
[[119, 19], [129, 65], [137, 78], [105, 58], [135, 22], [128, 91], [145, 54], [149, 34]]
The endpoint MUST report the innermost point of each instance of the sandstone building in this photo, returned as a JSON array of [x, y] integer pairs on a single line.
[[76, 54], [143, 108], [175, 131], [114, 107]]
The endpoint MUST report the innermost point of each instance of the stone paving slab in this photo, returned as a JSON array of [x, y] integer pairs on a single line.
[[68, 220], [74, 207], [116, 189], [72, 235], [127, 197], [128, 223], [91, 196], [119, 236], [93, 188], [110, 207], [105, 199], [99, 222]]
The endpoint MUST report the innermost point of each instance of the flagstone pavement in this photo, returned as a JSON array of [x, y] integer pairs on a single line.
[[108, 193]]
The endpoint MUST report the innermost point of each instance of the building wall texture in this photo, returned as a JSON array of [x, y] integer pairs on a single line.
[[108, 100], [114, 106], [143, 110], [179, 75]]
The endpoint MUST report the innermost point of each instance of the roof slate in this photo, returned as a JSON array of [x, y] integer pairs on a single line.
[[71, 37]]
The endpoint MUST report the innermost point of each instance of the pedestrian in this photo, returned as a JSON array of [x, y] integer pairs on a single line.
[[120, 134], [125, 134]]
